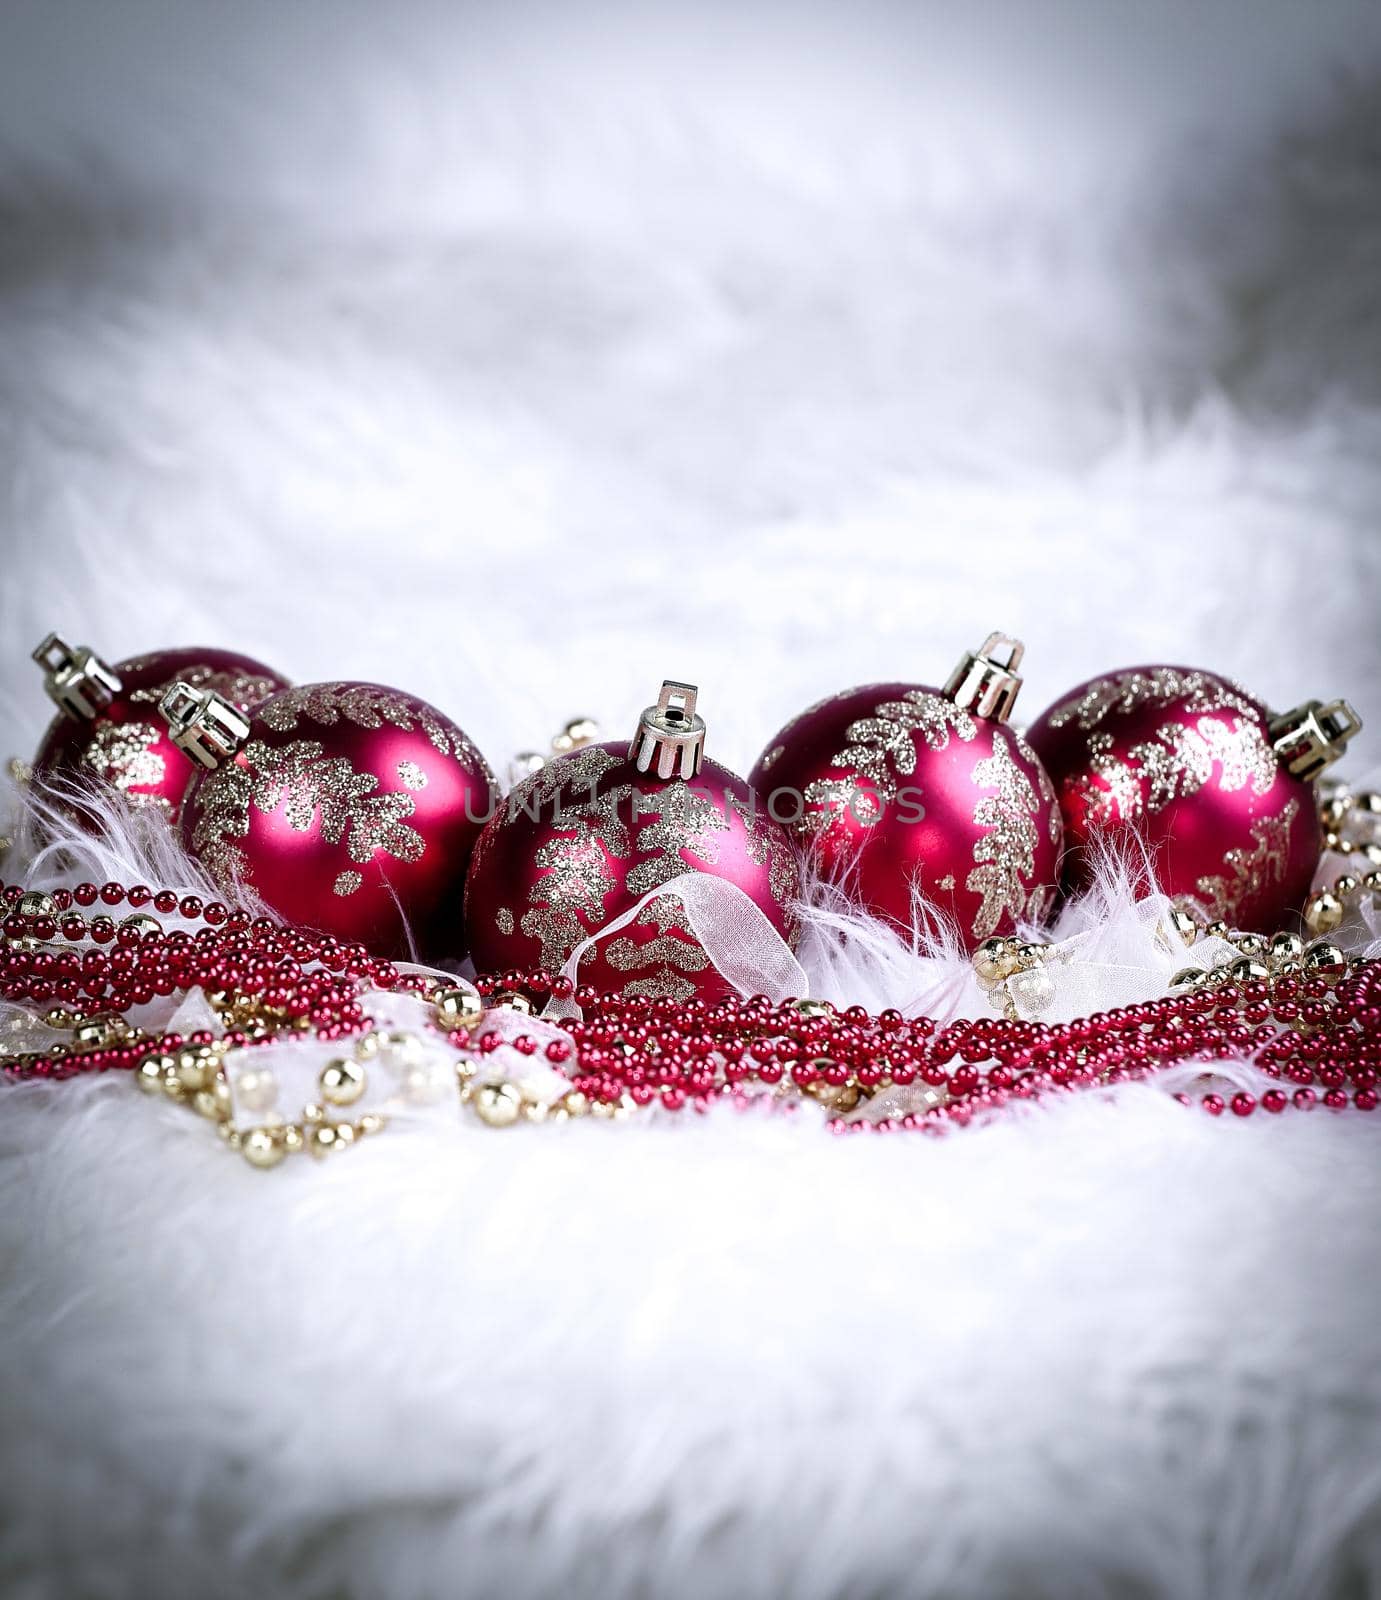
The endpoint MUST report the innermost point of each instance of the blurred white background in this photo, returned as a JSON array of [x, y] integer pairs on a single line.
[[521, 356]]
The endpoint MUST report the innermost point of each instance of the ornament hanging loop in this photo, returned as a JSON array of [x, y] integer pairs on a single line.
[[203, 724], [1313, 735], [670, 738], [986, 681], [78, 682]]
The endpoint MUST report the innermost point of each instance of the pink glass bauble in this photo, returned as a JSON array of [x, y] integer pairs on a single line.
[[1189, 765], [347, 807], [584, 839], [108, 727], [906, 793]]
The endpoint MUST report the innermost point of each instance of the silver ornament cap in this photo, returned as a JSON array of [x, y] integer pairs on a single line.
[[78, 682], [203, 724], [670, 739], [986, 681], [1312, 736]]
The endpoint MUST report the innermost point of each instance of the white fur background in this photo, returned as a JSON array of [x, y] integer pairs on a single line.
[[521, 357]]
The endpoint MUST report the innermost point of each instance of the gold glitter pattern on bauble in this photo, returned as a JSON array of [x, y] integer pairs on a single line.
[[411, 776], [367, 706], [1124, 692], [685, 820], [124, 755], [676, 954], [1005, 857], [303, 782], [347, 883], [243, 689], [577, 878], [882, 748], [1177, 761], [1055, 825], [1251, 870], [762, 849], [503, 920]]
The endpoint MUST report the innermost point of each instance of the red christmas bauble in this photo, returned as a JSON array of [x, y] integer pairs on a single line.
[[347, 807], [1218, 790], [108, 727], [585, 838], [903, 790]]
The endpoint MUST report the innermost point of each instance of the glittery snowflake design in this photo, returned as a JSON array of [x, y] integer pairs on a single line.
[[367, 706], [304, 783], [577, 876], [882, 748], [1251, 870], [125, 755], [1005, 856], [1123, 692], [1177, 762], [783, 880], [686, 819], [676, 955], [1055, 825], [240, 688]]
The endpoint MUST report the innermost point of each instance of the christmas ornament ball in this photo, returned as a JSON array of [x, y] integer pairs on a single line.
[[108, 727], [587, 836], [348, 807], [1192, 767], [903, 791]]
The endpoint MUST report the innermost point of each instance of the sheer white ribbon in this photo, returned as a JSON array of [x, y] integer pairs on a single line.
[[741, 943]]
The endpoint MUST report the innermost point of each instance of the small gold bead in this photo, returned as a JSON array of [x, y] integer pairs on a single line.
[[995, 959], [326, 1138], [205, 1104], [1188, 978], [1251, 944], [59, 1017], [1248, 969], [1216, 930], [293, 1138], [499, 1105], [575, 1103], [458, 1008], [261, 1149], [152, 1071], [1184, 924], [341, 1081], [1368, 800], [142, 923], [1334, 809], [814, 1008], [1371, 853], [1323, 911], [92, 1032], [371, 1122], [34, 903], [1325, 960], [1344, 885], [1372, 883], [1286, 946], [506, 1000], [578, 731], [194, 1067]]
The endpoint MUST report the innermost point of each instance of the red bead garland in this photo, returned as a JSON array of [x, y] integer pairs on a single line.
[[1318, 1035]]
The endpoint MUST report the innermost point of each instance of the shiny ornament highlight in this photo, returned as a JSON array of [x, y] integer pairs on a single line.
[[347, 807], [1191, 766], [583, 839], [108, 727], [902, 792]]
